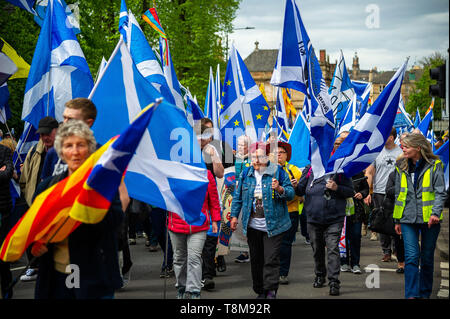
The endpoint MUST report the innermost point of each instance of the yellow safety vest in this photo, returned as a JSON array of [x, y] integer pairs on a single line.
[[350, 207], [427, 195]]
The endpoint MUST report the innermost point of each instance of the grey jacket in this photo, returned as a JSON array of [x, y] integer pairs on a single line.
[[412, 214]]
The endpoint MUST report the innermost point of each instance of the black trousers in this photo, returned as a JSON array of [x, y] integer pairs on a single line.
[[5, 270], [265, 261], [208, 254]]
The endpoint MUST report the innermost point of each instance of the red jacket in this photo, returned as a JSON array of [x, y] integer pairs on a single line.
[[211, 208]]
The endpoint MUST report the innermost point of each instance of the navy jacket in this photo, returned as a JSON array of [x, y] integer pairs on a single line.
[[319, 210], [93, 247]]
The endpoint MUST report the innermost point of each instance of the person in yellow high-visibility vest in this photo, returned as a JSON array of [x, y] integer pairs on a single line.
[[419, 202], [284, 151]]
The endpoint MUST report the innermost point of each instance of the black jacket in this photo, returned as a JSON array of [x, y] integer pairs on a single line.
[[5, 177], [93, 247], [360, 185], [319, 210], [389, 197]]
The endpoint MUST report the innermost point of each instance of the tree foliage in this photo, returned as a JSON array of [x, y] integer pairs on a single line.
[[420, 97], [195, 28]]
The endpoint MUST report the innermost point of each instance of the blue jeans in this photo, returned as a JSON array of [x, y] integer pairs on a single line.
[[352, 242], [419, 282], [286, 245]]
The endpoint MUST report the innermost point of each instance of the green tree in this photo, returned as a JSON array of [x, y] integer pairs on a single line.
[[420, 97], [196, 30]]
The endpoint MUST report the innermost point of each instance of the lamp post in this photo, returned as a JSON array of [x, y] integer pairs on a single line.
[[246, 28]]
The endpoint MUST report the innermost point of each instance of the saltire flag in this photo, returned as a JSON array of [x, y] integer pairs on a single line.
[[145, 59], [417, 118], [169, 73], [280, 111], [282, 134], [28, 139], [151, 17], [193, 111], [341, 90], [123, 20], [402, 119], [300, 141], [218, 87], [168, 170], [291, 64], [5, 112], [244, 109], [367, 139], [59, 71], [100, 68], [83, 197], [211, 108], [73, 19], [24, 4], [349, 120], [425, 123], [362, 90], [443, 154], [21, 68]]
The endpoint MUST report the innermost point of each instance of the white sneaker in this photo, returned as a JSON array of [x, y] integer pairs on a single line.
[[356, 270], [30, 275], [345, 268], [126, 278]]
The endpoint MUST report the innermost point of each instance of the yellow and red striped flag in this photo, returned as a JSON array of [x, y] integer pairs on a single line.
[[83, 197]]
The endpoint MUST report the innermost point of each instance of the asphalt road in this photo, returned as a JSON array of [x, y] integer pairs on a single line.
[[378, 280]]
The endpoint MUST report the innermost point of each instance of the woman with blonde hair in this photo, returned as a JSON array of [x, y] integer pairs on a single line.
[[419, 201]]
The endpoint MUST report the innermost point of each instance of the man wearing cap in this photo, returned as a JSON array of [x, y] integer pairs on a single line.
[[31, 172], [283, 152]]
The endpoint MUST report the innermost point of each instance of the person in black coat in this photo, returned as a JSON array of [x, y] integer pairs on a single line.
[[325, 202], [353, 226], [388, 207], [6, 173], [85, 265]]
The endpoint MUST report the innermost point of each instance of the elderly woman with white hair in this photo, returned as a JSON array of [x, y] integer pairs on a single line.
[[91, 247]]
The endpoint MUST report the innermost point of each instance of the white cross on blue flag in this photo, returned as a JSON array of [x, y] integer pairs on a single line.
[[167, 170], [367, 139], [59, 71]]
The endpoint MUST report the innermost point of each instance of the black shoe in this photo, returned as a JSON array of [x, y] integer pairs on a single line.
[[334, 289], [221, 265], [208, 284], [319, 282], [400, 270], [261, 296]]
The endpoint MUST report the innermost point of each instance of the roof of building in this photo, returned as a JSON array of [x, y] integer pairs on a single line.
[[261, 60]]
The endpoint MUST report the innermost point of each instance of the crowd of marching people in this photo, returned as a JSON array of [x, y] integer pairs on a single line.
[[271, 200]]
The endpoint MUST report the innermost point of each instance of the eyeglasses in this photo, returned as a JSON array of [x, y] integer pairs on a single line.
[[279, 152]]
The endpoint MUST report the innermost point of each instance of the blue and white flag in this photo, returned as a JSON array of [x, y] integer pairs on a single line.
[[368, 137], [167, 170], [341, 90], [402, 119], [169, 73], [349, 120], [123, 20], [280, 111], [443, 154], [72, 11], [362, 90], [193, 112], [291, 64], [28, 139], [244, 109], [218, 90], [211, 108], [425, 123], [300, 141], [24, 4], [145, 59], [59, 71], [417, 118], [5, 111]]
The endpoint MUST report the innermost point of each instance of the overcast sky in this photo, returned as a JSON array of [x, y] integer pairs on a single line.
[[414, 28]]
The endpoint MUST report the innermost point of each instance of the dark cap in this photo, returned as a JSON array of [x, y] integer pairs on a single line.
[[46, 125]]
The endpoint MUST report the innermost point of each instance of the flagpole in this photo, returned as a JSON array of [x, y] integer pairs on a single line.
[[14, 282], [21, 147]]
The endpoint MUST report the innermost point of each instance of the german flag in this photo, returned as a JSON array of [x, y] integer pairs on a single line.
[[83, 197]]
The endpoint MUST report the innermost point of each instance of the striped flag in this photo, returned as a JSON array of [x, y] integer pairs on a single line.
[[151, 17], [83, 197]]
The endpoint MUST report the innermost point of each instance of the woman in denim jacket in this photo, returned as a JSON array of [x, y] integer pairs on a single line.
[[262, 193]]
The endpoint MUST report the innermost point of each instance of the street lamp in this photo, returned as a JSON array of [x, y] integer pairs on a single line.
[[246, 28]]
